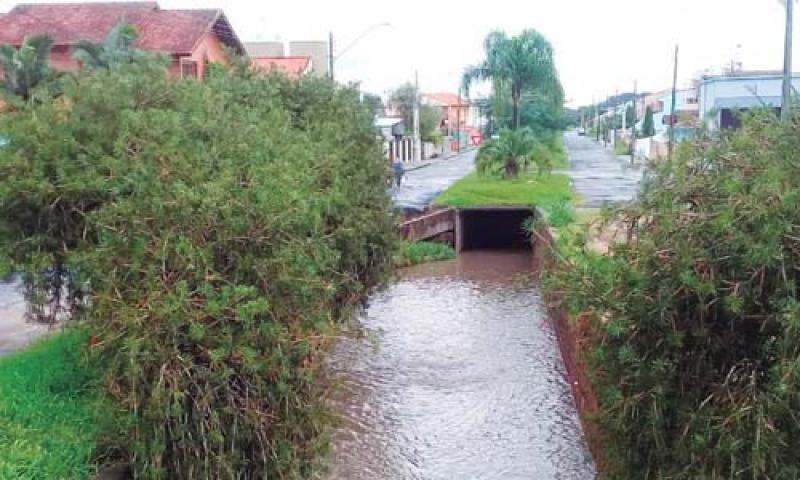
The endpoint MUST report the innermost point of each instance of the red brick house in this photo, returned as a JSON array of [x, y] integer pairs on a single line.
[[192, 38]]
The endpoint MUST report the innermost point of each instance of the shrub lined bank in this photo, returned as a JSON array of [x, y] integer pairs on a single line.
[[691, 327], [220, 230]]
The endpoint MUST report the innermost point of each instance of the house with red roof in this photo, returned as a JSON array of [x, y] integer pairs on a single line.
[[456, 111], [192, 38], [293, 67]]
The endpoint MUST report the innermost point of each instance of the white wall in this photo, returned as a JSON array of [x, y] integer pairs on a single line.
[[769, 88]]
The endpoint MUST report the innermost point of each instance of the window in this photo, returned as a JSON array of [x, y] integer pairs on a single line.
[[188, 68], [691, 100]]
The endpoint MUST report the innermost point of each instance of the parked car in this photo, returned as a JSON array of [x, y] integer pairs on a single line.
[[581, 131]]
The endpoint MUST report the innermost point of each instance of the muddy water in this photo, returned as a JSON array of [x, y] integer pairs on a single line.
[[458, 377]]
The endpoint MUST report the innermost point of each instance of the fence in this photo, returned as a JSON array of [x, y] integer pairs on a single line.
[[402, 149]]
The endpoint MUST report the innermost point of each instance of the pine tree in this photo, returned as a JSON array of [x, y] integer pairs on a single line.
[[648, 128]]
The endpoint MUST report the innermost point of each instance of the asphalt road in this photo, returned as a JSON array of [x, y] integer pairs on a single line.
[[421, 187], [600, 177]]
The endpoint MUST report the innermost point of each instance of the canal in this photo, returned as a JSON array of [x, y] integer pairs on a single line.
[[457, 376]]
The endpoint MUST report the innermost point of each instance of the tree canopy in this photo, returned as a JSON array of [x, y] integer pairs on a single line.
[[519, 64]]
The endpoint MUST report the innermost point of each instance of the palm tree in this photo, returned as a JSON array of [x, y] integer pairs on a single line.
[[521, 63], [509, 154], [25, 67], [117, 48]]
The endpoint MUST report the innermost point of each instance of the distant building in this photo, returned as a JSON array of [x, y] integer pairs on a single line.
[[265, 49], [191, 38], [457, 112], [685, 118], [392, 128], [292, 67], [722, 96], [317, 50]]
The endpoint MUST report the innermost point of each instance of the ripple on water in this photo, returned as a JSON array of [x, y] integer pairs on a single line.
[[458, 377]]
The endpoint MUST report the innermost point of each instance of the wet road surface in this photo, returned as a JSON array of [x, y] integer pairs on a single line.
[[15, 332], [598, 176], [458, 377], [421, 187]]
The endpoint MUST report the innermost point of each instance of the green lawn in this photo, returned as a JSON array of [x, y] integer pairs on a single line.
[[49, 412], [528, 190]]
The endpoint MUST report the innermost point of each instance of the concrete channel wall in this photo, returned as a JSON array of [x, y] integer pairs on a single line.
[[490, 227], [571, 334]]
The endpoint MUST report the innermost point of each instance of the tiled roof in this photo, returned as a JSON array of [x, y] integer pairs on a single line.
[[294, 67], [443, 99], [166, 31]]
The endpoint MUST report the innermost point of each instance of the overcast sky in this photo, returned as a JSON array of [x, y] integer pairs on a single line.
[[601, 46]]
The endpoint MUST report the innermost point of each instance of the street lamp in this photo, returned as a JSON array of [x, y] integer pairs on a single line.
[[332, 57]]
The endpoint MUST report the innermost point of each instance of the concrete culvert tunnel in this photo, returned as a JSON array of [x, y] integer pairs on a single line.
[[493, 228]]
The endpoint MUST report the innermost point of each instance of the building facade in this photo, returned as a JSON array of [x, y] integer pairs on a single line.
[[722, 97], [192, 38]]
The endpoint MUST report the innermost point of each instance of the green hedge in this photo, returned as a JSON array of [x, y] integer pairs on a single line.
[[220, 229], [695, 345]]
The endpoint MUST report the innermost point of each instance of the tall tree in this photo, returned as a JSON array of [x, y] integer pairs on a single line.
[[402, 100], [25, 67], [648, 127], [373, 102], [117, 48], [517, 64]]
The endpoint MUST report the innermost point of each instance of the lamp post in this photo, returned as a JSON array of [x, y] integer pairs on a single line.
[[787, 62], [332, 57]]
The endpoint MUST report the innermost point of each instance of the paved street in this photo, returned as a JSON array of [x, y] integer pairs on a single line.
[[421, 186], [15, 332], [599, 176]]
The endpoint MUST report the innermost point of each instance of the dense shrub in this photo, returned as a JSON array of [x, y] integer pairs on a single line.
[[696, 346], [220, 230]]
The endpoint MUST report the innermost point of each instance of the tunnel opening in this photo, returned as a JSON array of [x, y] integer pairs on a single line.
[[493, 228]]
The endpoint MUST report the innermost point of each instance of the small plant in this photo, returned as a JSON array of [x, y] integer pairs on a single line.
[[559, 214], [507, 155], [414, 253]]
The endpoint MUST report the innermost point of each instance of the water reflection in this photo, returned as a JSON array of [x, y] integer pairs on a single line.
[[458, 377]]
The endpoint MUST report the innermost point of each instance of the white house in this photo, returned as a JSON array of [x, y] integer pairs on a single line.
[[722, 96], [392, 128]]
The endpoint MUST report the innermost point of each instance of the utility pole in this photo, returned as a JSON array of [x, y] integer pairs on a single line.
[[633, 121], [417, 137], [331, 58], [596, 121], [458, 122], [786, 109], [672, 116]]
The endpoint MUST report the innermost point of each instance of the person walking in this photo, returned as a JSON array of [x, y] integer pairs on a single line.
[[399, 171]]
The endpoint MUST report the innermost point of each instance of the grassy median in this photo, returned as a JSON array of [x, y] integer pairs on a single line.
[[528, 190]]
